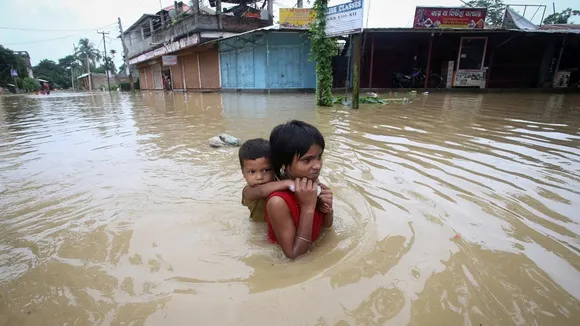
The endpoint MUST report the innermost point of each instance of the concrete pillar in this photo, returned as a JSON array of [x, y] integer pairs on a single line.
[[218, 7], [195, 6], [271, 11]]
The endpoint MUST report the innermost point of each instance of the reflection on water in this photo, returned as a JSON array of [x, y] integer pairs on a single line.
[[454, 208]]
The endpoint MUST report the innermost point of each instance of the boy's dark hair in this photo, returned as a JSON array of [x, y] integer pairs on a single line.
[[254, 149], [290, 139]]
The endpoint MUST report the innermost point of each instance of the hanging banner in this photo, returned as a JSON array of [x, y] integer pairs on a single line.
[[296, 18], [456, 17], [345, 19]]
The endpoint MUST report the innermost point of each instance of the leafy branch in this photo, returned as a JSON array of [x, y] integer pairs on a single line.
[[322, 50]]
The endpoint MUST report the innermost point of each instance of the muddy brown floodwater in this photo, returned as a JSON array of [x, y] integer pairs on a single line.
[[455, 209]]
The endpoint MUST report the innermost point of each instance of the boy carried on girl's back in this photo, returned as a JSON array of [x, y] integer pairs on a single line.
[[254, 158]]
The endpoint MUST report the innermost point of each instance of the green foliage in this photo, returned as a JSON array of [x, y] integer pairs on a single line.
[[561, 17], [495, 10], [58, 76], [30, 84], [109, 65], [87, 52], [322, 51], [9, 60], [70, 61]]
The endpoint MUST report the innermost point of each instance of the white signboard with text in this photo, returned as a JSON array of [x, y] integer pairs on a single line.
[[345, 19]]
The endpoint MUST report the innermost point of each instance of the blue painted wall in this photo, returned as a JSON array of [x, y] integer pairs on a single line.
[[244, 65]]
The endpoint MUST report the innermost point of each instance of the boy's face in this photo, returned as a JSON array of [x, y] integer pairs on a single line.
[[257, 171]]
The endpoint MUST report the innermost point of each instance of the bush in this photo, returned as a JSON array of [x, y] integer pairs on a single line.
[[30, 84]]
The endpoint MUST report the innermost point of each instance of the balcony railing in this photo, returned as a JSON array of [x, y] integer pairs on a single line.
[[194, 23]]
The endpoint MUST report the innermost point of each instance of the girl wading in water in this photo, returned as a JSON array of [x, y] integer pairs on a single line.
[[295, 219]]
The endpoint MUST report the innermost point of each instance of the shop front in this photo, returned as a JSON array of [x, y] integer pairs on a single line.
[[180, 65]]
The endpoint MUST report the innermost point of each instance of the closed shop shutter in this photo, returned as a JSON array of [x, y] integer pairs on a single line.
[[157, 80], [209, 65], [191, 71], [149, 78], [177, 75]]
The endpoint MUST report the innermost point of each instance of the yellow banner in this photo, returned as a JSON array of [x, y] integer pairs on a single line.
[[299, 18]]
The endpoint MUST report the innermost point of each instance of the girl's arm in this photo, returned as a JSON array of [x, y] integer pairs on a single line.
[[295, 241], [265, 190]]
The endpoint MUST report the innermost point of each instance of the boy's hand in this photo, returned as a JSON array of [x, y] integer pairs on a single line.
[[325, 200]]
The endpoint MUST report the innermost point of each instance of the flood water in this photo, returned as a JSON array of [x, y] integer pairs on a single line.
[[456, 209]]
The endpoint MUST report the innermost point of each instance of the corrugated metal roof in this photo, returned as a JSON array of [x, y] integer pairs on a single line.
[[267, 28]]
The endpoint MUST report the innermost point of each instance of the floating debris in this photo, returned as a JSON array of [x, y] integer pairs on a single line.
[[372, 100], [224, 140]]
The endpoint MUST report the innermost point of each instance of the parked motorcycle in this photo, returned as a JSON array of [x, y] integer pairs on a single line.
[[416, 79]]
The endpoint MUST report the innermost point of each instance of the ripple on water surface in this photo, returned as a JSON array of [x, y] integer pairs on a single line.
[[455, 208]]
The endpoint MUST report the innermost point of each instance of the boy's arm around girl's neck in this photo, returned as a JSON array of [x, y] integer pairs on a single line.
[[263, 191]]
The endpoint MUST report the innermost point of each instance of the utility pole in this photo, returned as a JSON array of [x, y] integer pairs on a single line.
[[106, 63], [126, 56], [72, 77], [356, 38], [300, 4]]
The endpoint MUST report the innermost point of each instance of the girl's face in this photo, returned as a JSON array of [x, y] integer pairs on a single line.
[[307, 166]]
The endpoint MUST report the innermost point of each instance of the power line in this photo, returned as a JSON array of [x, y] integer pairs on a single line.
[[47, 40], [54, 30]]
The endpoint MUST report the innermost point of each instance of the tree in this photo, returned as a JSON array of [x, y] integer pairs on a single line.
[[8, 61], [109, 63], [87, 52], [322, 50], [561, 17], [495, 10], [70, 61], [53, 72]]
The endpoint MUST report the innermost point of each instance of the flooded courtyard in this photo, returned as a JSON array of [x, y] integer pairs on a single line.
[[456, 209]]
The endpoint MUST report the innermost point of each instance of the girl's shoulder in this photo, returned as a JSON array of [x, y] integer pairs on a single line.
[[284, 194]]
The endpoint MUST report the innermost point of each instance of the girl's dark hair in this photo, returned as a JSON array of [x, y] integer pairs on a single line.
[[291, 139]]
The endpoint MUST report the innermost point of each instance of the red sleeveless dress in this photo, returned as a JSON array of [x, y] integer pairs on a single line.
[[292, 203]]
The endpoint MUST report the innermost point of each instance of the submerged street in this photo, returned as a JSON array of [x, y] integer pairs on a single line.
[[459, 208]]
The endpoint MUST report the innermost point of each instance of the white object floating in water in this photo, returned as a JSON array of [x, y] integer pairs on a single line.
[[318, 190], [426, 93], [224, 140]]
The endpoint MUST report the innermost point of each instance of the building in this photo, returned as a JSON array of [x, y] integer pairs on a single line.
[[270, 58], [516, 55], [175, 43], [26, 57], [99, 81]]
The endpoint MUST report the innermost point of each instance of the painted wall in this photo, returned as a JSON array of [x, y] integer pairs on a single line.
[[244, 64]]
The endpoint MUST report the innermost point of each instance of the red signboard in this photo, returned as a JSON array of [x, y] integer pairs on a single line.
[[456, 17]]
